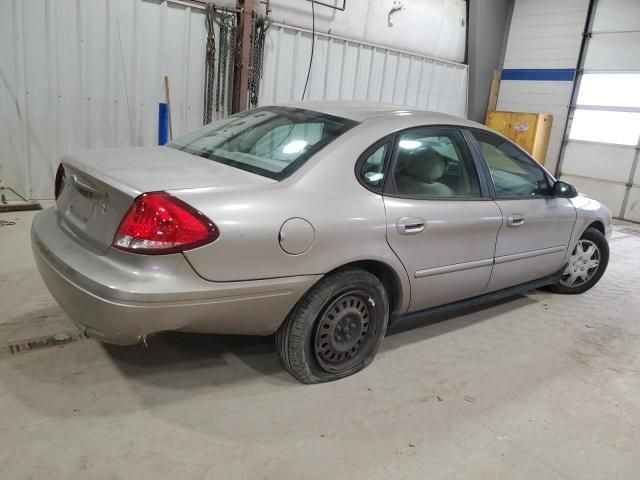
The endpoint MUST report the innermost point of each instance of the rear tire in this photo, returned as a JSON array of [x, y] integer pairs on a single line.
[[587, 264], [336, 329]]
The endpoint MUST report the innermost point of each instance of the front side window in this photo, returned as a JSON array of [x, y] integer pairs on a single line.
[[270, 141], [514, 174], [434, 163]]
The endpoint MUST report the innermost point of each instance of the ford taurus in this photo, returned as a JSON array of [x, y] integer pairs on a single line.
[[319, 222]]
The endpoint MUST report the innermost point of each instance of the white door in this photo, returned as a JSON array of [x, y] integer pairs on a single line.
[[602, 146]]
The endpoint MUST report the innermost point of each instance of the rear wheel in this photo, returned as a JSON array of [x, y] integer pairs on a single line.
[[586, 265], [336, 329]]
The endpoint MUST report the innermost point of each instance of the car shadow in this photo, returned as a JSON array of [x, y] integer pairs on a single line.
[[185, 360], [225, 359], [175, 366]]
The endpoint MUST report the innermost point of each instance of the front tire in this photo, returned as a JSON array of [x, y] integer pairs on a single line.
[[587, 264], [336, 329]]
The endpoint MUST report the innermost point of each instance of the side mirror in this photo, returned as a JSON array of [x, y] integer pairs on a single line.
[[564, 190]]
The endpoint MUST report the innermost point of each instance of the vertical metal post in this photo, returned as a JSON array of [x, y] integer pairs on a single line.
[[242, 55]]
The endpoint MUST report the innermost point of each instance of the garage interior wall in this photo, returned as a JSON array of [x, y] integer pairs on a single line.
[[86, 75], [434, 28], [603, 135], [351, 70], [540, 61]]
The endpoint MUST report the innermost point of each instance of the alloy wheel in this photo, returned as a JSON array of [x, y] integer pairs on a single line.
[[583, 264]]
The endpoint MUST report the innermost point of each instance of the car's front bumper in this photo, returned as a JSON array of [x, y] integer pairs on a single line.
[[121, 297]]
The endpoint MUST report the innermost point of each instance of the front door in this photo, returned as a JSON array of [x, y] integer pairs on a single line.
[[536, 226], [440, 221]]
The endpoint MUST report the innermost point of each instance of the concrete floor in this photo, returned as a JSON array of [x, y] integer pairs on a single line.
[[540, 387]]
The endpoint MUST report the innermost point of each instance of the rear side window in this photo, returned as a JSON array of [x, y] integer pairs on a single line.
[[270, 141], [514, 174], [371, 170], [434, 163]]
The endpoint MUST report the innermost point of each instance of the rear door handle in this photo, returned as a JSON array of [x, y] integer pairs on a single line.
[[410, 225], [516, 220]]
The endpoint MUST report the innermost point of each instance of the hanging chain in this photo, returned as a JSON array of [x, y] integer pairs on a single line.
[[222, 55], [209, 64], [259, 30], [226, 52], [232, 86], [223, 80]]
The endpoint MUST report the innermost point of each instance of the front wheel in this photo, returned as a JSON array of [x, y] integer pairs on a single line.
[[336, 329], [586, 265]]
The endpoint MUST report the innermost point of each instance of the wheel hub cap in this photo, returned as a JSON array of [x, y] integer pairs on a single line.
[[583, 264], [342, 329]]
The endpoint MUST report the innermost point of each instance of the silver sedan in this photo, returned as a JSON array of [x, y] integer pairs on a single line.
[[319, 222]]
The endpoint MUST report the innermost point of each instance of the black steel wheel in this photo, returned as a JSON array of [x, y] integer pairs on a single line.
[[336, 329], [342, 334]]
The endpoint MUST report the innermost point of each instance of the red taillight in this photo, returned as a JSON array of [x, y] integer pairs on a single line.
[[59, 183], [159, 223]]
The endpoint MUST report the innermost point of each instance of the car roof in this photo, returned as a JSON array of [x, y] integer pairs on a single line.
[[363, 111]]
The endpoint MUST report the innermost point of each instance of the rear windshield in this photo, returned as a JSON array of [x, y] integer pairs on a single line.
[[270, 141]]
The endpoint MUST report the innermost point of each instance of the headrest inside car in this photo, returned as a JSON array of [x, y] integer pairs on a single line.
[[427, 165]]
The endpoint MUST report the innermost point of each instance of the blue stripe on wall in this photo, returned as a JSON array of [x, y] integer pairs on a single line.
[[546, 74]]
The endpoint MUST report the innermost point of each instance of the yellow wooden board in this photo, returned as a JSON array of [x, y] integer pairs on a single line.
[[529, 130]]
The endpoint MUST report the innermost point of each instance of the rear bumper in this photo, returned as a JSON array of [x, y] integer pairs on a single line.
[[120, 297]]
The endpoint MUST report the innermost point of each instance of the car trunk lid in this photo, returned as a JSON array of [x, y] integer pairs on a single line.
[[100, 186]]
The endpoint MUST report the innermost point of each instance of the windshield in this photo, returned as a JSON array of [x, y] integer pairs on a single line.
[[269, 141]]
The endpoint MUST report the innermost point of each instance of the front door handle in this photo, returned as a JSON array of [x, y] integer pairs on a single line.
[[516, 220], [410, 225]]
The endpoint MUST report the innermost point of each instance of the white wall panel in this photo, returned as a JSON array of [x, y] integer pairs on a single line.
[[427, 27], [545, 34], [617, 15], [85, 75], [610, 194], [543, 97], [613, 51], [598, 161], [348, 70]]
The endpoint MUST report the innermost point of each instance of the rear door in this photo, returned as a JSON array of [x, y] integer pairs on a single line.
[[441, 222], [536, 226]]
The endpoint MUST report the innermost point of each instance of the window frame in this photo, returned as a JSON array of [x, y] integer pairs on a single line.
[[474, 145], [389, 188]]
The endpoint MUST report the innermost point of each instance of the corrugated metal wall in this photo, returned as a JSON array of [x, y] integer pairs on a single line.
[[544, 39], [348, 70], [89, 74], [80, 75]]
